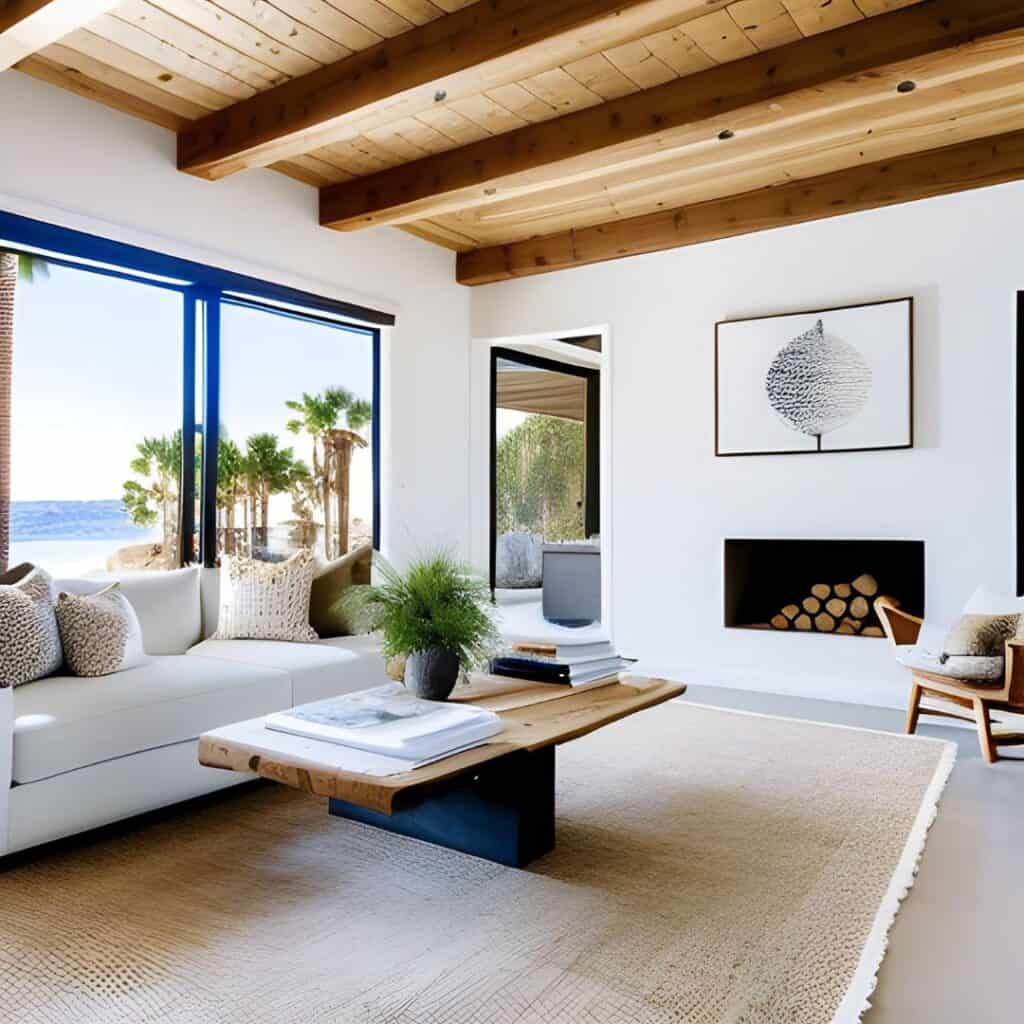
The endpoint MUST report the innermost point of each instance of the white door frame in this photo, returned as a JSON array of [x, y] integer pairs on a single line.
[[545, 344]]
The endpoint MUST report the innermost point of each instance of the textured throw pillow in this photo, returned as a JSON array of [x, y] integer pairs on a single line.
[[29, 640], [266, 600], [979, 636], [327, 612], [100, 632], [165, 601]]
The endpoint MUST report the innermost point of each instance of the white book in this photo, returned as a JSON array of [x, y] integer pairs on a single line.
[[389, 720]]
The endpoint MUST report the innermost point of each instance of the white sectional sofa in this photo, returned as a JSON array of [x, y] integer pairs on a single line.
[[77, 753]]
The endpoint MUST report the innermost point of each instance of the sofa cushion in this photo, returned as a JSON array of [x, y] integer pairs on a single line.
[[66, 722], [317, 670], [167, 604], [989, 670]]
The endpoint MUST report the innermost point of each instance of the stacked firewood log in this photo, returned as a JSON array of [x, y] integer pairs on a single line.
[[833, 608]]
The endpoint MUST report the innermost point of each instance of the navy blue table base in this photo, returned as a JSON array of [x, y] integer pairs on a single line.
[[503, 811]]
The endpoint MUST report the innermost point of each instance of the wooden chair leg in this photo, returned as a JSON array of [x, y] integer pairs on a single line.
[[914, 708], [988, 747]]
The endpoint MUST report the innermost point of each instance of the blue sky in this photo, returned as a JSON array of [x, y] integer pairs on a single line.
[[97, 367]]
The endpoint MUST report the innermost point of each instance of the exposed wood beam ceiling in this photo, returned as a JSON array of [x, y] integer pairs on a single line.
[[531, 135], [642, 128], [483, 46], [969, 165], [29, 25]]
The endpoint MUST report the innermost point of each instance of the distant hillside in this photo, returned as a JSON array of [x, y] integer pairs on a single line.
[[72, 520]]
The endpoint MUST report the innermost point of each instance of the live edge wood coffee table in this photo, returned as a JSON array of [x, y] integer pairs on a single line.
[[495, 801]]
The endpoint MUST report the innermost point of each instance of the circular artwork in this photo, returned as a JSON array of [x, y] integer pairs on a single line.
[[818, 382]]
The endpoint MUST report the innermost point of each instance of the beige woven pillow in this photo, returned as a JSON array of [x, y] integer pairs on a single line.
[[100, 632], [266, 600], [980, 636], [29, 641]]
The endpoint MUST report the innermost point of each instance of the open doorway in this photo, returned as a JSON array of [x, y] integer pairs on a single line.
[[542, 482]]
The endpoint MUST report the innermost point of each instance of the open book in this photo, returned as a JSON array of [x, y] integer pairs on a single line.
[[391, 721]]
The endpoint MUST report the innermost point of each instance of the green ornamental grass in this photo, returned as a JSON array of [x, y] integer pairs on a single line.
[[438, 602]]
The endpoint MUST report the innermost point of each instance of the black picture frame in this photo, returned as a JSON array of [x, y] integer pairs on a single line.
[[908, 299]]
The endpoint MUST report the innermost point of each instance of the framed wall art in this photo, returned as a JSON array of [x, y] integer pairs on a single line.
[[829, 380]]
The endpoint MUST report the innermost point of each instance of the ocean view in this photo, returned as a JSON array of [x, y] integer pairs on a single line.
[[72, 538]]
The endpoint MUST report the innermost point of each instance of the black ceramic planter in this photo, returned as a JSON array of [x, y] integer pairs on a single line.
[[432, 674]]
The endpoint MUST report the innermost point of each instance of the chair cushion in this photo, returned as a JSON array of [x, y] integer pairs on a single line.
[[67, 722], [317, 670], [167, 604], [977, 669]]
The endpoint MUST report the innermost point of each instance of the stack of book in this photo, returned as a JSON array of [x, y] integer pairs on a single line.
[[391, 722], [581, 666]]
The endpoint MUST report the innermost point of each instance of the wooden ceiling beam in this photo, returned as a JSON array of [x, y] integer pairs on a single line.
[[482, 46], [646, 126], [27, 26], [969, 165]]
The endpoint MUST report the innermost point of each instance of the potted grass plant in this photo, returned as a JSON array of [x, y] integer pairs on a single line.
[[437, 615]]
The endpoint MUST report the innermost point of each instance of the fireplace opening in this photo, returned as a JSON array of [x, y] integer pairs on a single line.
[[820, 586]]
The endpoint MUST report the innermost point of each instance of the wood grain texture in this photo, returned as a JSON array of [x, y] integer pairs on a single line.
[[469, 51], [957, 168], [27, 26], [772, 149], [535, 716], [648, 126]]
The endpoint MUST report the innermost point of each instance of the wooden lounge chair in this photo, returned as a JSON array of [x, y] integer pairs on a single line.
[[979, 696]]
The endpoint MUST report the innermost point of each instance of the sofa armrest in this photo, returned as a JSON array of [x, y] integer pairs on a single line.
[[6, 761], [900, 627]]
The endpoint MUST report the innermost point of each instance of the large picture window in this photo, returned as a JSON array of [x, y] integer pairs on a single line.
[[295, 463], [163, 411]]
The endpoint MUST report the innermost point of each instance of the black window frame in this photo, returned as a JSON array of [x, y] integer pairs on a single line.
[[592, 441]]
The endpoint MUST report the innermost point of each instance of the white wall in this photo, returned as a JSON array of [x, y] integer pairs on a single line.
[[674, 502], [70, 161]]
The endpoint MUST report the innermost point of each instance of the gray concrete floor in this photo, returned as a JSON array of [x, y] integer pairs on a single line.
[[956, 951]]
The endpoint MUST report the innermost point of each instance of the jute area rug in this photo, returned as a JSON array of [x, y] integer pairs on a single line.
[[711, 867]]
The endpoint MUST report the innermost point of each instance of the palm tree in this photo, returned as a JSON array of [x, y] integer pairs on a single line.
[[156, 498], [318, 415], [332, 451], [230, 472], [12, 266], [270, 470], [342, 443]]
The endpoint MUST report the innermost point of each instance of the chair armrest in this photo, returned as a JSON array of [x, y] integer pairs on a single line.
[[6, 760], [1015, 672], [900, 627]]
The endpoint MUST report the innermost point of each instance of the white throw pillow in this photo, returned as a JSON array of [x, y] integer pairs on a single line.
[[166, 603], [266, 600], [29, 640], [985, 601], [100, 632]]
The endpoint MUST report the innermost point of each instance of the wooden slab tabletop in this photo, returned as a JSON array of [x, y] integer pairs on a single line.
[[534, 715]]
